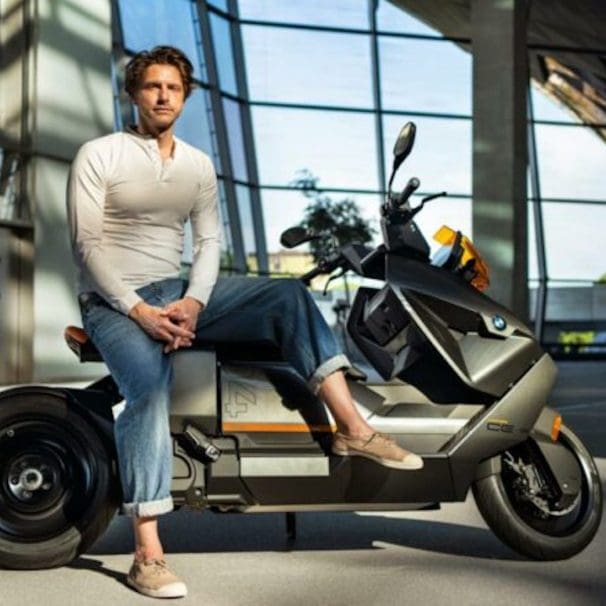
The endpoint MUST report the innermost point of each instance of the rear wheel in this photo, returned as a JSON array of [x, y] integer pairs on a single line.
[[525, 508], [57, 489]]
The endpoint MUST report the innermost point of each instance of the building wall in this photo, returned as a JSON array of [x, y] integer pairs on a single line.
[[57, 68], [73, 103]]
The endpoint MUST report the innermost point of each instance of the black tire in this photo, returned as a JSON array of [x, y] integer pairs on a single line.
[[544, 539], [58, 491]]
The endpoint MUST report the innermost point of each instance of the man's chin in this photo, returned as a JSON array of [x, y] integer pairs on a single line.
[[160, 124]]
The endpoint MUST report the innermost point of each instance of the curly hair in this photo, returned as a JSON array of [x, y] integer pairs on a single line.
[[164, 55]]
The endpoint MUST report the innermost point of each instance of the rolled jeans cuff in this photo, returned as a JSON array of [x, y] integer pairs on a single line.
[[338, 362], [148, 508]]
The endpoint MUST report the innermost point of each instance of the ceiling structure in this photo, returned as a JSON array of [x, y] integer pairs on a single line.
[[566, 43]]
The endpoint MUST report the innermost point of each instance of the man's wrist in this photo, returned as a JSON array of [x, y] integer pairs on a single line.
[[135, 311], [199, 304]]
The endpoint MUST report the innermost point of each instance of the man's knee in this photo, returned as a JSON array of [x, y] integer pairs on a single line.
[[145, 375], [289, 289]]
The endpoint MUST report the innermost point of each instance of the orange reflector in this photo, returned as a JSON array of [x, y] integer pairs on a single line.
[[555, 428]]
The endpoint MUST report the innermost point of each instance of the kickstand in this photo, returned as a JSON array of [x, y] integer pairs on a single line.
[[291, 527]]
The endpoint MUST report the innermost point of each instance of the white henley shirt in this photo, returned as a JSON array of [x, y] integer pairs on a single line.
[[127, 209]]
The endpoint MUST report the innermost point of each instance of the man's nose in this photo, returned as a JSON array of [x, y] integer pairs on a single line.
[[163, 93]]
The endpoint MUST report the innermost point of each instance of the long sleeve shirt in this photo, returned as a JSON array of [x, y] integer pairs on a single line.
[[127, 208]]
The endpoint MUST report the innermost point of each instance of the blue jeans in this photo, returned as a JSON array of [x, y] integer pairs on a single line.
[[240, 310]]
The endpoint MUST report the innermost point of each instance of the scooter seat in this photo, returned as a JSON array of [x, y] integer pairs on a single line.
[[78, 341]]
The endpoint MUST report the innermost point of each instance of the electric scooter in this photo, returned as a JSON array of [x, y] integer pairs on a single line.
[[464, 384]]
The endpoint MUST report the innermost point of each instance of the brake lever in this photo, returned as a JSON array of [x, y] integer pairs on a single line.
[[330, 279], [416, 209]]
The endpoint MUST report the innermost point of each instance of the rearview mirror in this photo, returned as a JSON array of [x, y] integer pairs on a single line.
[[294, 236], [404, 144], [402, 148]]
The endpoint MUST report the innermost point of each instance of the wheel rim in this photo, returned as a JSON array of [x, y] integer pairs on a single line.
[[47, 478], [560, 523]]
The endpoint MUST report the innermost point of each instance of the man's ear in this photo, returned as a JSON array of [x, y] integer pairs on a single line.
[[133, 97]]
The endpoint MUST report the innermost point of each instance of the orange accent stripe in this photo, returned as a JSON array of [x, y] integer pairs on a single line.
[[276, 427]]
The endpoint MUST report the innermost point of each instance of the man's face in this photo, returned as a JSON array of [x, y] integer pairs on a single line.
[[160, 98]]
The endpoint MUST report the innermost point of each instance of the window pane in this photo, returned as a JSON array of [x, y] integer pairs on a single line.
[[546, 108], [441, 157], [336, 13], [578, 254], [193, 125], [571, 162], [307, 67], [148, 24], [337, 147], [390, 18], [236, 140], [283, 209], [224, 54], [425, 75]]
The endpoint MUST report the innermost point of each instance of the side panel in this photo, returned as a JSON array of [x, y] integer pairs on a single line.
[[194, 391], [485, 345], [284, 433]]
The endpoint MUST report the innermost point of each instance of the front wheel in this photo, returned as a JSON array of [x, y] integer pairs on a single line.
[[58, 492], [524, 507]]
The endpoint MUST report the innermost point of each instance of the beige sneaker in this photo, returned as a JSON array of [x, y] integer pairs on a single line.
[[154, 579], [380, 448]]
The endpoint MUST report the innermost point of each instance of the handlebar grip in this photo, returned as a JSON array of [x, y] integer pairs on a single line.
[[326, 266], [411, 187], [311, 274]]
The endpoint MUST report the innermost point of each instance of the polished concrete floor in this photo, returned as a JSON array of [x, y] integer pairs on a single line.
[[441, 557]]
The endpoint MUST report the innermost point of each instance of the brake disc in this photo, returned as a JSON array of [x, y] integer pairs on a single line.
[[530, 486]]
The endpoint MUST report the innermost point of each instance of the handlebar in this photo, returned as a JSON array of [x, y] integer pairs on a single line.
[[411, 187], [325, 266]]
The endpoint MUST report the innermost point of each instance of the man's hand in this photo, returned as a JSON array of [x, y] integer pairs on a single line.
[[157, 323], [184, 313]]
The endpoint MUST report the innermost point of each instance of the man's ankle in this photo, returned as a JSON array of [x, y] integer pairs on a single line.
[[144, 554], [357, 432]]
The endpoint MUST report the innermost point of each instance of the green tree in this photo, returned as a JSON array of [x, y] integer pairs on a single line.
[[337, 222]]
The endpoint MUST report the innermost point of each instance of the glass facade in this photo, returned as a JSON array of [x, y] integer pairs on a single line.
[[325, 87]]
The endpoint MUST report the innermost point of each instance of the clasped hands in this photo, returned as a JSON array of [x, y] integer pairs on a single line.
[[175, 324]]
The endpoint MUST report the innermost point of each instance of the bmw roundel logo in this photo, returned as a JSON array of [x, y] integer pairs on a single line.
[[499, 322]]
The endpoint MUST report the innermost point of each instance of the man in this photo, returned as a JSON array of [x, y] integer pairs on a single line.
[[129, 196]]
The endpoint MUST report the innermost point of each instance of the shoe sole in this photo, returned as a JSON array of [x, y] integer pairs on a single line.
[[174, 590], [403, 465]]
